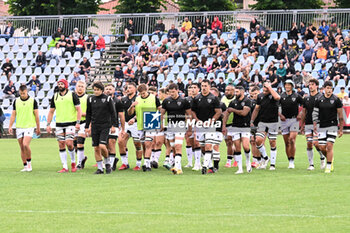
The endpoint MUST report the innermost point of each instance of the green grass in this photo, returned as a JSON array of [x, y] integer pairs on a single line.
[[128, 201]]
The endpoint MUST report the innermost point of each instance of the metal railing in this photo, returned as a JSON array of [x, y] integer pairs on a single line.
[[274, 20]]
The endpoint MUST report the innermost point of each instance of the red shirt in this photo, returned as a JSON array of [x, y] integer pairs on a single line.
[[81, 42], [100, 43], [216, 24]]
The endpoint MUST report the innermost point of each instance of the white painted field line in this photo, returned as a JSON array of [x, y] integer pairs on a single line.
[[174, 214]]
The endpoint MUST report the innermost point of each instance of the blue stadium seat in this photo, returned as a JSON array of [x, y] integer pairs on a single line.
[[40, 41], [308, 67]]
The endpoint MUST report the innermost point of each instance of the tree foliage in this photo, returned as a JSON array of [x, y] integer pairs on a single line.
[[342, 3], [139, 6], [53, 7], [286, 4], [208, 5]]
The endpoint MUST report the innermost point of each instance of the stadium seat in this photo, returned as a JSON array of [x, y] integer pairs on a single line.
[[221, 75], [175, 69], [224, 36], [22, 79], [37, 71], [13, 78], [5, 103], [46, 86], [57, 71], [39, 41], [180, 61], [211, 75], [29, 56], [343, 59], [171, 61], [170, 77], [45, 102], [3, 79], [19, 56], [256, 66], [238, 44], [190, 76], [66, 70], [77, 55], [48, 40], [53, 63], [273, 36], [230, 44], [2, 56], [185, 69], [34, 48], [47, 71], [87, 54], [2, 42], [260, 60], [31, 94], [28, 71], [15, 48], [30, 41], [43, 48], [145, 38], [6, 48], [284, 35], [40, 94], [96, 55], [341, 83], [11, 42], [42, 78], [62, 63], [181, 76], [318, 66], [18, 70], [10, 55]]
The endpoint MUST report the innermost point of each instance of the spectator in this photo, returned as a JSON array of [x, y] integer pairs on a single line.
[[320, 36], [34, 84], [206, 25], [342, 93], [153, 48], [300, 91], [70, 45], [138, 59], [57, 34], [281, 73], [321, 55], [346, 100], [291, 55], [129, 30], [223, 65], [74, 81], [257, 79], [193, 48], [253, 48], [235, 64], [262, 42], [342, 73], [323, 73], [222, 48], [324, 28], [153, 82], [244, 80], [271, 67], [240, 31], [198, 25], [143, 48], [159, 28], [214, 65], [290, 71], [192, 34], [9, 31], [125, 57], [80, 44], [333, 28], [173, 32], [302, 29], [293, 32], [63, 43], [253, 24], [139, 73], [245, 63], [285, 44], [182, 50], [245, 41], [164, 66], [85, 67], [194, 65], [118, 74], [10, 91], [143, 78], [163, 48], [207, 39], [133, 48], [212, 48], [310, 32], [279, 90], [128, 73], [187, 25], [221, 85], [7, 68], [203, 65], [297, 78], [189, 83], [280, 54], [56, 53], [89, 44], [181, 85], [216, 26], [119, 89], [306, 77], [76, 34], [154, 66], [273, 47], [326, 43], [100, 44], [331, 55], [40, 60], [183, 35], [345, 48], [212, 82], [308, 55], [272, 77]]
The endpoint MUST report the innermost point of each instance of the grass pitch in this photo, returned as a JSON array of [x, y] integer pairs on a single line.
[[128, 201]]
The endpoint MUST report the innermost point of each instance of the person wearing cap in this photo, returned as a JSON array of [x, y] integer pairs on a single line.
[[66, 104], [76, 34], [290, 117]]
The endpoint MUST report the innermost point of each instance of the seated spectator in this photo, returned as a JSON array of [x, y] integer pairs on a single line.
[[300, 91], [320, 36], [346, 100], [198, 25], [57, 34], [76, 34], [139, 73], [182, 50], [324, 28], [118, 74], [326, 43], [321, 55], [253, 48], [280, 54], [308, 55], [153, 82], [133, 48], [291, 55], [173, 33], [222, 48], [62, 42], [143, 78], [143, 48], [306, 77], [183, 35], [56, 53], [125, 57], [159, 28], [138, 59], [245, 63], [257, 79], [297, 78], [234, 65], [164, 66], [188, 85], [194, 65], [181, 85], [207, 40], [100, 44], [154, 66], [216, 26], [172, 49], [293, 32], [212, 48], [70, 45], [34, 84], [221, 85], [203, 65], [212, 82], [40, 60], [342, 73], [128, 30], [146, 58], [163, 48], [85, 67], [128, 73], [193, 48], [333, 28], [240, 31], [271, 67], [281, 73], [10, 91], [224, 65], [273, 47], [9, 31], [253, 24], [310, 32], [345, 48], [244, 81], [272, 78], [342, 93], [187, 25], [89, 44], [214, 66], [80, 44], [119, 89], [153, 48], [7, 68], [285, 44], [323, 73], [290, 71], [262, 42], [245, 41], [74, 81], [302, 29], [331, 55], [192, 34]]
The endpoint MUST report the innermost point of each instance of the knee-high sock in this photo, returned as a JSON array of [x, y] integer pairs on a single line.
[[63, 156]]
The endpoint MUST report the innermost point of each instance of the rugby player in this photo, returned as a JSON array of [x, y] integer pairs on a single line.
[[253, 95], [327, 110], [25, 112], [267, 106], [68, 116], [290, 102]]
